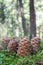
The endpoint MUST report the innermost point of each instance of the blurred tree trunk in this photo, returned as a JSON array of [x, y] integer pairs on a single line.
[[32, 20], [17, 20], [23, 17], [2, 15], [7, 24], [13, 33]]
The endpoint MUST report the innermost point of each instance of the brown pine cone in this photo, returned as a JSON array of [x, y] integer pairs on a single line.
[[24, 47], [12, 46], [5, 42], [35, 42]]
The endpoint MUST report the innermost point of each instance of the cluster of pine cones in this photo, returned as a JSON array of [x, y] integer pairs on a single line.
[[23, 47], [26, 47]]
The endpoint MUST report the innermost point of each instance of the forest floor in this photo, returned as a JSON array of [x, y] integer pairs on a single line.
[[12, 58]]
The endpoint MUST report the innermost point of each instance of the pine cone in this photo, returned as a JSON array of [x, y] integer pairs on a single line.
[[35, 42], [5, 42], [12, 46], [24, 47], [16, 39], [6, 39]]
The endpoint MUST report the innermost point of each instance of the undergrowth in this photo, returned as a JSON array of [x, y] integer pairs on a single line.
[[12, 58]]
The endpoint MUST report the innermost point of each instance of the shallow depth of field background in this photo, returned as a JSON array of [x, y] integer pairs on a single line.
[[10, 18]]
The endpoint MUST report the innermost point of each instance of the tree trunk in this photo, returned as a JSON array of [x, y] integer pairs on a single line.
[[32, 20], [2, 15], [13, 33], [23, 18]]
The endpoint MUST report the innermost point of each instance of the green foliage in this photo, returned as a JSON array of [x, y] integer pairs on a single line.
[[7, 58]]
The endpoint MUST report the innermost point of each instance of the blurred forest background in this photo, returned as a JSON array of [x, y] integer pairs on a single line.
[[21, 18]]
